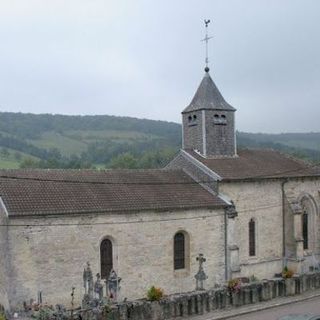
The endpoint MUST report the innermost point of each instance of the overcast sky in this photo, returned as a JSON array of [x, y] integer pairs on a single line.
[[145, 59]]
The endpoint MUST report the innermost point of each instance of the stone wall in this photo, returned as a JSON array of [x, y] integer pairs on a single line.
[[269, 205], [261, 201], [297, 191], [4, 301], [49, 254], [220, 138], [202, 302], [192, 131], [196, 170]]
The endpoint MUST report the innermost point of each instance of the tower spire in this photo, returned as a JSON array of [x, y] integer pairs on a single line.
[[206, 39]]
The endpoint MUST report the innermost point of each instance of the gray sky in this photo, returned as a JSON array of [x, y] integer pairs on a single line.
[[145, 59]]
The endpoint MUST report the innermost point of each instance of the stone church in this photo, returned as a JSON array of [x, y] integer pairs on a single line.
[[249, 212]]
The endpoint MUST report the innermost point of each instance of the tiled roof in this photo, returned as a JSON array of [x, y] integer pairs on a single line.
[[258, 164], [208, 96], [43, 192]]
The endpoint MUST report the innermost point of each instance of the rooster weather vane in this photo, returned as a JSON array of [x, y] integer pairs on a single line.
[[206, 39]]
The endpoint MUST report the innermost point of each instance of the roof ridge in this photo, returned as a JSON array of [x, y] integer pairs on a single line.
[[53, 170]]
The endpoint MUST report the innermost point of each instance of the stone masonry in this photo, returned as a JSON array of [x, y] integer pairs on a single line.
[[208, 137], [50, 254], [4, 301], [211, 302], [262, 201], [220, 138], [196, 170], [192, 131]]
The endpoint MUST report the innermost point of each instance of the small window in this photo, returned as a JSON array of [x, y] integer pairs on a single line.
[[192, 119], [305, 230], [106, 258], [179, 251], [252, 238], [216, 119], [220, 119]]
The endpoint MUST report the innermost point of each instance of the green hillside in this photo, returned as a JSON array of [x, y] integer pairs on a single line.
[[58, 141], [302, 145], [11, 159], [86, 141]]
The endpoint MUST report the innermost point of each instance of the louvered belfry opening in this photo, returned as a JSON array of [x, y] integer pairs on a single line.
[[252, 238], [179, 251], [106, 258], [305, 230]]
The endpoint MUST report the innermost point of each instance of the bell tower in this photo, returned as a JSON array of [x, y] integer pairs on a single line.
[[208, 121]]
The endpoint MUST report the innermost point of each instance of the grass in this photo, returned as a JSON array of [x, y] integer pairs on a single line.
[[75, 141], [13, 158], [9, 164], [92, 135], [64, 144]]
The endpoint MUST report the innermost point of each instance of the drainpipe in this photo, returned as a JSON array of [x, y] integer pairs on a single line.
[[226, 268], [283, 222]]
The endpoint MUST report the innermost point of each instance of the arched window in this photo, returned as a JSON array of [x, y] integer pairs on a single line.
[[223, 119], [305, 230], [252, 238], [220, 119], [179, 251], [310, 226], [106, 258]]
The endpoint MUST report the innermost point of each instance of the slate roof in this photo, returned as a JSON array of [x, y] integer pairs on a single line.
[[258, 164], [44, 192], [208, 96]]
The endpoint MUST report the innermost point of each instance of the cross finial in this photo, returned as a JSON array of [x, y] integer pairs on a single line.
[[206, 39]]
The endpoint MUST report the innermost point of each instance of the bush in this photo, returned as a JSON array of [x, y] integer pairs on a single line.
[[2, 316], [234, 285], [42, 312], [154, 294], [287, 273], [253, 278]]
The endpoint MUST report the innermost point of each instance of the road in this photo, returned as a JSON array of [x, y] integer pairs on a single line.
[[308, 306]]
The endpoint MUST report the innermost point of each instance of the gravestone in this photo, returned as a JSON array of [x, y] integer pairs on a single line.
[[200, 276]]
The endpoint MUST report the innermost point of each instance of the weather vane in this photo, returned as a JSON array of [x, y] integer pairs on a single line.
[[206, 39]]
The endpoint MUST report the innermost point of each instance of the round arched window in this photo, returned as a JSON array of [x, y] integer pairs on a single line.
[[106, 258], [179, 251]]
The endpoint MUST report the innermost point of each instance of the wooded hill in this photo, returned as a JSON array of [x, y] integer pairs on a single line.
[[58, 141]]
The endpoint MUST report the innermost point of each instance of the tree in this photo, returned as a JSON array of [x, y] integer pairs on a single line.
[[5, 153], [28, 163], [123, 161], [17, 156]]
